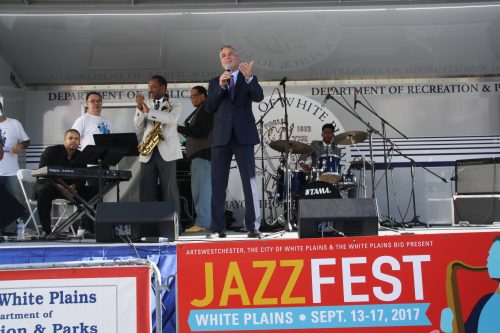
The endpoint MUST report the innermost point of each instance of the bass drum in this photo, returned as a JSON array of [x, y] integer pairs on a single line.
[[320, 190]]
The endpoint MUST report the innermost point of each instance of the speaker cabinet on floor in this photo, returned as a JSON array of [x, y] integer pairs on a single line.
[[337, 217], [124, 221], [477, 209]]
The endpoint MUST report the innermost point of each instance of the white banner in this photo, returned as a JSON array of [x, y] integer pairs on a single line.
[[82, 304]]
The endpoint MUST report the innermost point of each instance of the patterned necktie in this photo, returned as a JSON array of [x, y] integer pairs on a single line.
[[157, 104], [231, 86]]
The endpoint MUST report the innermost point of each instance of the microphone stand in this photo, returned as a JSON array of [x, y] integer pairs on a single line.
[[260, 122], [370, 131], [389, 220], [415, 221], [288, 226], [362, 176], [288, 202]]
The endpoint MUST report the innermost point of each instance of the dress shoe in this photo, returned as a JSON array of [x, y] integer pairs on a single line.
[[215, 235], [254, 234], [194, 228]]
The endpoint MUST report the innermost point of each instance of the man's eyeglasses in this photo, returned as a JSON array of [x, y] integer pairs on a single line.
[[95, 101], [194, 95]]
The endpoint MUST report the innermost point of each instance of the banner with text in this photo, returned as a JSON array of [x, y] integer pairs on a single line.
[[77, 300], [316, 285]]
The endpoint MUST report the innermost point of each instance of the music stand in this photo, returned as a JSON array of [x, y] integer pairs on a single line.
[[100, 156], [118, 142], [125, 141]]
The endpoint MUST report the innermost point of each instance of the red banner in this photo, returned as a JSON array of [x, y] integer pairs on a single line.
[[315, 285]]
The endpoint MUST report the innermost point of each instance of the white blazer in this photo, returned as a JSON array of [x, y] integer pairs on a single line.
[[170, 146]]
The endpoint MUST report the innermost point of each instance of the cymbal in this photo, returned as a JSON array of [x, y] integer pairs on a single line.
[[296, 147], [350, 137]]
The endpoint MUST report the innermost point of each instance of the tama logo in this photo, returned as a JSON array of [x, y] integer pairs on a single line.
[[316, 191]]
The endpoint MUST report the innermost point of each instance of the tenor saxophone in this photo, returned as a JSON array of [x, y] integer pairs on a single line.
[[154, 136]]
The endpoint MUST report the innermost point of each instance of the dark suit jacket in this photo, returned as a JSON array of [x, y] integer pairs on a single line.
[[234, 112]]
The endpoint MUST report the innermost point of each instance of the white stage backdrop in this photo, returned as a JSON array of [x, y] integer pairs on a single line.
[[444, 120]]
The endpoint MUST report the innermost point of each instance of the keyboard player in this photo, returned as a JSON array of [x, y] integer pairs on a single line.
[[63, 155]]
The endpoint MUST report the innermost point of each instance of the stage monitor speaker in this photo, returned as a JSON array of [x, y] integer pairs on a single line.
[[11, 208], [124, 221], [478, 176], [477, 209], [337, 217]]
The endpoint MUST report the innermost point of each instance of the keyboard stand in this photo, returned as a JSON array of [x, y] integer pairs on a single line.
[[83, 206]]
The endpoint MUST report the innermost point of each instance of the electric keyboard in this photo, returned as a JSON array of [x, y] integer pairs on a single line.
[[83, 173]]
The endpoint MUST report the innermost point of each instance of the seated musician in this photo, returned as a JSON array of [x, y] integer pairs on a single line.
[[63, 156], [323, 147]]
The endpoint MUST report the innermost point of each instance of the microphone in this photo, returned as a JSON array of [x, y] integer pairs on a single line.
[[327, 97], [282, 82], [355, 98], [228, 69]]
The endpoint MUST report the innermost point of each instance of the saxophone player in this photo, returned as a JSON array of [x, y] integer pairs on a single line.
[[160, 147]]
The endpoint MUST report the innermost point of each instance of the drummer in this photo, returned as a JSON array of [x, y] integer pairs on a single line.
[[324, 147]]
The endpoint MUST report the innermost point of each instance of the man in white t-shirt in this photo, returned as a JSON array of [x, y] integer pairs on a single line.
[[92, 122], [14, 139], [87, 125]]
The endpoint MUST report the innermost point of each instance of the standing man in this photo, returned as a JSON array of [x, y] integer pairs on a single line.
[[320, 148], [64, 155], [198, 131], [230, 98], [13, 140], [88, 124], [159, 164], [92, 122]]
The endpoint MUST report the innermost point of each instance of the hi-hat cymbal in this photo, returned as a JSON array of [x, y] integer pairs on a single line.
[[350, 137], [296, 147]]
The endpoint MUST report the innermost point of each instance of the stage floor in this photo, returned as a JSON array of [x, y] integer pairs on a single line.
[[242, 236]]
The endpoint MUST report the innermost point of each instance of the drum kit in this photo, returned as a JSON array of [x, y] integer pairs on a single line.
[[323, 181]]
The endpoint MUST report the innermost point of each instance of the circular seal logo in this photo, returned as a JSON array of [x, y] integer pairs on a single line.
[[305, 119]]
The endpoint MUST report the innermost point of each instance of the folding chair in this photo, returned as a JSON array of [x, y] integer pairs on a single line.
[[26, 181]]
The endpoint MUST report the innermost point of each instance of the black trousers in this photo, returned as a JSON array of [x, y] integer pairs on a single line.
[[157, 169]]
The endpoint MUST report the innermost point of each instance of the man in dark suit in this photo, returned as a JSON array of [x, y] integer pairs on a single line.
[[230, 98]]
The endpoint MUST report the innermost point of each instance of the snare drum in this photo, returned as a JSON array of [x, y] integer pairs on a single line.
[[297, 180], [314, 174], [329, 166], [348, 180], [347, 185]]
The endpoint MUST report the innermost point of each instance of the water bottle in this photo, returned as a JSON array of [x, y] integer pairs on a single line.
[[20, 229]]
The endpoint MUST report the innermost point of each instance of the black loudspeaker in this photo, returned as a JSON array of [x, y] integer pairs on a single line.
[[477, 209], [134, 221], [11, 208], [337, 217], [478, 176]]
